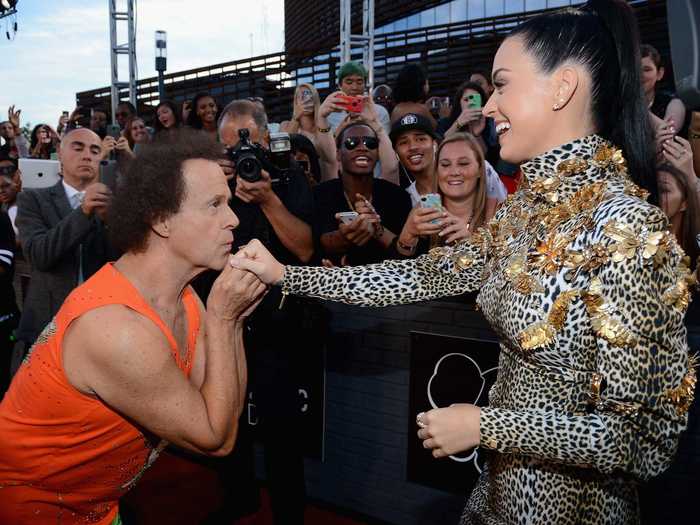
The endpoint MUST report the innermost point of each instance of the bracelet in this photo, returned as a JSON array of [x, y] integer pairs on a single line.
[[324, 130], [410, 248]]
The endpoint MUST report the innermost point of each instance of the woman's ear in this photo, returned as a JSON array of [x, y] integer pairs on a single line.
[[566, 81]]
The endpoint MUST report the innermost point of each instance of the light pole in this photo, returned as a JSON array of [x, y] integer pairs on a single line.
[[161, 61]]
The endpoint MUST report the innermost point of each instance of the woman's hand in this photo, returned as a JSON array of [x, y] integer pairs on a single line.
[[679, 154], [108, 146], [369, 113], [456, 229], [123, 145], [448, 431], [422, 222], [255, 258]]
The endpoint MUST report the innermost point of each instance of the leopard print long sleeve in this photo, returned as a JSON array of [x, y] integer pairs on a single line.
[[441, 273], [586, 290]]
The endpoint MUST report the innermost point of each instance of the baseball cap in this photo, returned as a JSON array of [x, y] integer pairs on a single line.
[[409, 122]]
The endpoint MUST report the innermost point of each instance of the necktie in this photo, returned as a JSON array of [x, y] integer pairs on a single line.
[[76, 201]]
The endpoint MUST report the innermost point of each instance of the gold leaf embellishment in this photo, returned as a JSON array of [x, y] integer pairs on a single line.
[[607, 156], [543, 333], [572, 166], [682, 396], [537, 335], [547, 186], [604, 324], [635, 191], [678, 295], [516, 274], [548, 255], [626, 241]]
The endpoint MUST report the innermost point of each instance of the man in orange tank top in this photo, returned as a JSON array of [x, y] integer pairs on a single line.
[[133, 361]]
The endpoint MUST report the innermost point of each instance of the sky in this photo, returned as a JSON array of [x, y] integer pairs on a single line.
[[62, 46]]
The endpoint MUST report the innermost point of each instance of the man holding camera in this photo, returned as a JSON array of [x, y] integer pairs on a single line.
[[62, 231], [273, 201]]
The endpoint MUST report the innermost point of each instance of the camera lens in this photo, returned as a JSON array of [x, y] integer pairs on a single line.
[[248, 168]]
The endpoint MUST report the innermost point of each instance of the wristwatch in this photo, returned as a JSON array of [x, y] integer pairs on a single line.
[[324, 130]]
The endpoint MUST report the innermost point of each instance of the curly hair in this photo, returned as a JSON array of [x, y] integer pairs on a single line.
[[153, 187], [410, 84]]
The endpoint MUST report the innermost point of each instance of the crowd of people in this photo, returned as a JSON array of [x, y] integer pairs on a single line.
[[399, 177]]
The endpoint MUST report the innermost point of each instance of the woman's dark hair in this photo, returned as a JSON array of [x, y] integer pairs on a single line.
[[410, 84], [602, 35], [153, 187], [34, 138], [650, 51], [193, 119], [301, 144], [157, 126], [690, 227], [456, 106]]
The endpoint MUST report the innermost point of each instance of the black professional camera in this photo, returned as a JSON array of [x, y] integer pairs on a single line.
[[250, 159]]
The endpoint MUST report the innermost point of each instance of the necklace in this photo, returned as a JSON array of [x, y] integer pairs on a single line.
[[350, 204]]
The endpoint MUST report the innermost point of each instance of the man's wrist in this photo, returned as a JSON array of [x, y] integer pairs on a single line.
[[271, 202]]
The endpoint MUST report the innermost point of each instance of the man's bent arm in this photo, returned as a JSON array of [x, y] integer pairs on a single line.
[[146, 385]]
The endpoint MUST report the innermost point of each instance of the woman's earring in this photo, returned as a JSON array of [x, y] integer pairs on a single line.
[[558, 105]]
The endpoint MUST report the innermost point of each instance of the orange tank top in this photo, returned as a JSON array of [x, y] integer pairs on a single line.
[[66, 457]]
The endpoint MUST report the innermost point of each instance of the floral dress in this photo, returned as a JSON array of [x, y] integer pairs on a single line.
[[586, 289]]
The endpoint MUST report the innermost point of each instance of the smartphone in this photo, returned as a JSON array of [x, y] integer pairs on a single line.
[[474, 101], [446, 102], [65, 114], [114, 131], [306, 95], [352, 104], [431, 200], [434, 103], [346, 217]]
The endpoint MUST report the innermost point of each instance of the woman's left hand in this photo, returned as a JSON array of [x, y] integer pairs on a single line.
[[456, 229], [679, 154], [448, 431]]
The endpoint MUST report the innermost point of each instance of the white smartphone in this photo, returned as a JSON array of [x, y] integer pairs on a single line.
[[346, 217], [39, 173]]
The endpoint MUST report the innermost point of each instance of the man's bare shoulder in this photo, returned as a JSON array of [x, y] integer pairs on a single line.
[[113, 339]]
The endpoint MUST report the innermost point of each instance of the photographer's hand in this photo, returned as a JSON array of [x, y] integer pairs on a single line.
[[259, 192]]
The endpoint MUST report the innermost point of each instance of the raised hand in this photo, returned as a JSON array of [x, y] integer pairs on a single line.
[[254, 257], [14, 116]]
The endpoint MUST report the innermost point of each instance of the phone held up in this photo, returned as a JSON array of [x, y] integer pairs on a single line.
[[352, 104], [474, 101], [431, 200]]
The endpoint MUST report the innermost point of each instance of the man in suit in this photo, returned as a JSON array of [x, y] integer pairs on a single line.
[[62, 232]]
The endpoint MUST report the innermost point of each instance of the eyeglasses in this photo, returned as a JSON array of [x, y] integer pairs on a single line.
[[255, 99], [351, 143]]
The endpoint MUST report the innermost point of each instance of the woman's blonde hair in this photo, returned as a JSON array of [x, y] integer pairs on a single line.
[[314, 96], [479, 217]]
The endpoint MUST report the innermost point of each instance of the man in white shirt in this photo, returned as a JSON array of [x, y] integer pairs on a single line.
[[62, 231]]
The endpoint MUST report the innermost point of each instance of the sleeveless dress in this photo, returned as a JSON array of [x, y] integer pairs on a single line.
[[66, 457]]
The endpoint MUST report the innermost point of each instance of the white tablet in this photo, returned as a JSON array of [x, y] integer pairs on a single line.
[[38, 173]]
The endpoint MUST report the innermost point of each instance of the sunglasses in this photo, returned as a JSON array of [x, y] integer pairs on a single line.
[[351, 143]]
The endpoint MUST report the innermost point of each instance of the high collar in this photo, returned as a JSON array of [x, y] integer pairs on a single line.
[[566, 169]]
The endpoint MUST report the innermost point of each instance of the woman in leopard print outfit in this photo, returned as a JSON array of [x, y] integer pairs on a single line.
[[578, 275]]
